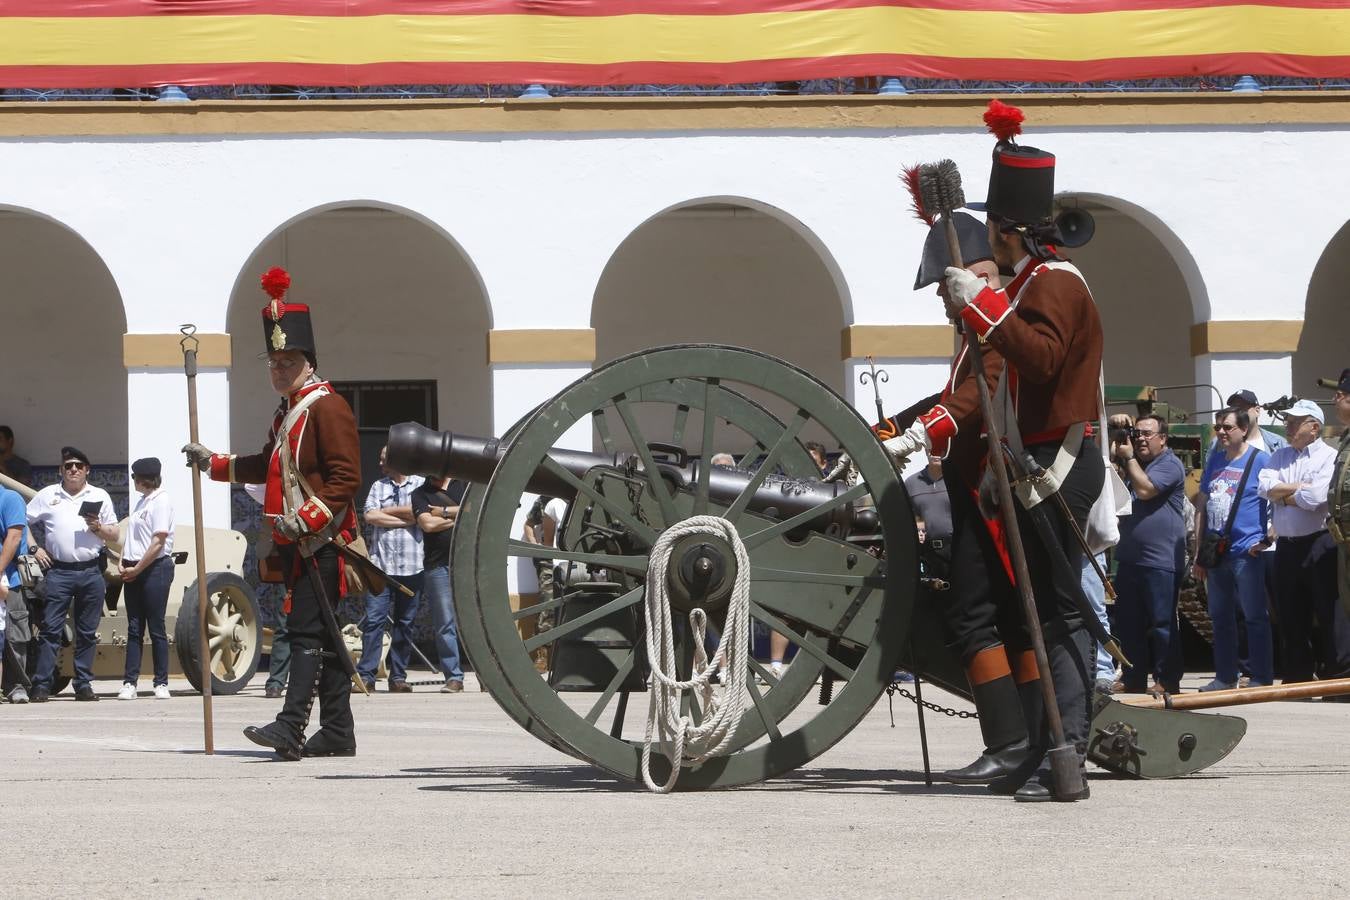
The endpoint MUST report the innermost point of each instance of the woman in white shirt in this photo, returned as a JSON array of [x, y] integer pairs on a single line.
[[147, 571]]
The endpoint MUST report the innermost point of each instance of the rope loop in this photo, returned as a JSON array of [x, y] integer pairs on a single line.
[[687, 743]]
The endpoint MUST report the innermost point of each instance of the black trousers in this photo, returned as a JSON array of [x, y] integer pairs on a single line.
[[304, 623], [310, 672], [983, 607], [1314, 631]]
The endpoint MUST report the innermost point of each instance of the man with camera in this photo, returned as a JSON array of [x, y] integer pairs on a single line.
[[71, 522], [1150, 555]]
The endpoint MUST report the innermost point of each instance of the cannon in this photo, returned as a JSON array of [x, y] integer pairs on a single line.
[[234, 622], [833, 567]]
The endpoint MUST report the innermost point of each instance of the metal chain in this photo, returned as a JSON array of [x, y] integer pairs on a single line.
[[894, 688]]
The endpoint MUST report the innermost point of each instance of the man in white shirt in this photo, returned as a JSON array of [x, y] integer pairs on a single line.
[[1295, 482], [71, 523]]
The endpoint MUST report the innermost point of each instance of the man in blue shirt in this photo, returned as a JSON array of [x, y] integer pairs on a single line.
[[1237, 579], [1150, 557], [13, 610]]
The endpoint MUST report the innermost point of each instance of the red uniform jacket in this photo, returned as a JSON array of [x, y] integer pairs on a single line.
[[326, 449]]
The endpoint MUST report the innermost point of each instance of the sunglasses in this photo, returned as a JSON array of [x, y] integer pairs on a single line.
[[73, 465], [1225, 428]]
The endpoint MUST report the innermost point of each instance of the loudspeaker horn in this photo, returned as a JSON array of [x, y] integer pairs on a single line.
[[1076, 227]]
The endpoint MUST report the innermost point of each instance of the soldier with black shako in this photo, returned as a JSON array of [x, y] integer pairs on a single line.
[[1047, 338], [310, 464]]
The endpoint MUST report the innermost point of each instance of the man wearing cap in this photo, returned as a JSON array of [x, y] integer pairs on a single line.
[[311, 467], [71, 523], [1045, 328], [1295, 482], [1338, 496], [1258, 436]]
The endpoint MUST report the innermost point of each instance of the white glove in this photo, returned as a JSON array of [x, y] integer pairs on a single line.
[[841, 467], [914, 438], [964, 285], [290, 527]]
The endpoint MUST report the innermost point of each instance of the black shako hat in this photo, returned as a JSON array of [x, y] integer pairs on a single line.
[[148, 467], [974, 238], [286, 326], [1022, 179], [68, 453]]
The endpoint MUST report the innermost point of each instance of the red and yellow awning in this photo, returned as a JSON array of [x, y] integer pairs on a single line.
[[85, 43]]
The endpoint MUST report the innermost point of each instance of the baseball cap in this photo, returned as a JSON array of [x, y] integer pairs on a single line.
[[1244, 396], [1306, 408], [1343, 384]]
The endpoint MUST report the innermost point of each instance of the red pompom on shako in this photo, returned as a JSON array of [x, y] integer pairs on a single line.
[[1003, 121], [286, 326]]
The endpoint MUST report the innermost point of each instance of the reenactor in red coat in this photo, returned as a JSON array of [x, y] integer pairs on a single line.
[[311, 466]]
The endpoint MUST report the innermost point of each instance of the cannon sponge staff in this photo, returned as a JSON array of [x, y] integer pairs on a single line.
[[310, 466]]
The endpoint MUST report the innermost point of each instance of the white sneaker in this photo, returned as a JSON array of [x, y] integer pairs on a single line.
[[128, 691], [161, 692], [1217, 685]]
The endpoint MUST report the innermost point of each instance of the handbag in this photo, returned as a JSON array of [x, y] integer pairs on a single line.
[[1214, 545]]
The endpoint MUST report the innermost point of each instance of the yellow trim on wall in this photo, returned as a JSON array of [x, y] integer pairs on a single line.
[[896, 341], [641, 114], [541, 345], [163, 351], [1252, 336]]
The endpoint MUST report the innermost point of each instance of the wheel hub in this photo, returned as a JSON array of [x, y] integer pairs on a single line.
[[702, 573]]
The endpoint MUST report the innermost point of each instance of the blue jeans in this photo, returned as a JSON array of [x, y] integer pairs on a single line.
[[83, 589], [379, 609], [1104, 666], [436, 588], [1147, 617], [1239, 582], [147, 600]]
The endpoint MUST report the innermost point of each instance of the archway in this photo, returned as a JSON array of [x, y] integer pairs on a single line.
[[396, 303], [1322, 347], [1148, 291], [65, 381], [725, 270]]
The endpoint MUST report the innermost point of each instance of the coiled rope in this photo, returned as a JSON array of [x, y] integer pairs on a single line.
[[685, 742]]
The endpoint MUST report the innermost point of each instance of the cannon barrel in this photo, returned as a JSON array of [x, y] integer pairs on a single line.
[[416, 450]]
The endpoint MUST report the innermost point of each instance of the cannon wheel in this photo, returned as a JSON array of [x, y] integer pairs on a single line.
[[683, 396], [234, 630], [871, 611]]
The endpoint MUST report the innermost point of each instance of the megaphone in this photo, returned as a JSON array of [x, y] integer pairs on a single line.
[[1076, 227]]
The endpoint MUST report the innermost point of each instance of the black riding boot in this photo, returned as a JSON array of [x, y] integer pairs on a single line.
[[1002, 725], [1070, 655], [337, 731], [1033, 714], [287, 733]]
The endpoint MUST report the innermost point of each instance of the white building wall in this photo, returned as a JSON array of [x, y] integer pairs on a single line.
[[538, 217]]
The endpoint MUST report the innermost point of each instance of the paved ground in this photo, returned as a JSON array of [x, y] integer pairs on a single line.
[[448, 796]]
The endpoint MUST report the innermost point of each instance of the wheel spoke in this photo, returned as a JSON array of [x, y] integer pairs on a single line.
[[536, 609], [789, 434], [759, 669], [754, 540], [770, 725], [623, 601], [654, 479], [766, 574], [824, 612], [803, 645], [634, 565], [645, 532], [602, 428], [710, 391], [677, 429], [625, 668]]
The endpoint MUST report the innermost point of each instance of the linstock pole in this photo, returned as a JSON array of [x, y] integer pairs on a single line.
[[190, 345]]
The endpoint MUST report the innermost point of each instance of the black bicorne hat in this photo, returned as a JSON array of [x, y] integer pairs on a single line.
[[286, 326], [974, 238]]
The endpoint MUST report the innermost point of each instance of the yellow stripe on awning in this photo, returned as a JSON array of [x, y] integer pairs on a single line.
[[158, 40]]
